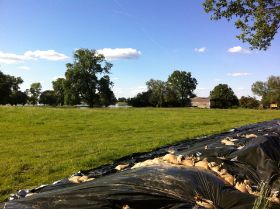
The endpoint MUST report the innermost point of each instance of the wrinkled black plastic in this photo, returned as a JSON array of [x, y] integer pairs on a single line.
[[171, 186]]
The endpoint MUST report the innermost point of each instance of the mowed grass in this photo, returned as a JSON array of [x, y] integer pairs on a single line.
[[41, 145]]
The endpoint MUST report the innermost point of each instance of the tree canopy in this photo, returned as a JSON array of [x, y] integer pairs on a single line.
[[34, 92], [222, 96], [258, 20], [48, 98], [249, 102], [175, 92], [8, 85], [183, 84], [85, 78], [58, 87], [269, 90], [158, 91]]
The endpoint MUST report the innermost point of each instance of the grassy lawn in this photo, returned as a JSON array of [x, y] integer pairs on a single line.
[[41, 145]]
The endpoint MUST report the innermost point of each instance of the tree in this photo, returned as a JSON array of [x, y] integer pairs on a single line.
[[48, 98], [18, 97], [8, 85], [249, 102], [258, 20], [82, 77], [34, 91], [222, 96], [141, 100], [158, 91], [105, 92], [58, 87], [269, 90], [183, 84]]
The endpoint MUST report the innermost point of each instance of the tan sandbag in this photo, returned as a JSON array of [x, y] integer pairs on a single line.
[[187, 162], [202, 164], [155, 161], [75, 179], [274, 199], [223, 172], [250, 136], [227, 142], [83, 179], [170, 158], [121, 167], [241, 187], [216, 169], [228, 178]]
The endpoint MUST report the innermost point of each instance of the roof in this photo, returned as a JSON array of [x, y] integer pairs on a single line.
[[200, 99]]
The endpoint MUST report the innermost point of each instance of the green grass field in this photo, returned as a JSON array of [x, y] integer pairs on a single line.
[[41, 145]]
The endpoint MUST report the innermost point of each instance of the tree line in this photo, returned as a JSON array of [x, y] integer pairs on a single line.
[[87, 81], [177, 91]]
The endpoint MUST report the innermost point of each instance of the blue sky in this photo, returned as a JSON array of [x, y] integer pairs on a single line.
[[143, 39]]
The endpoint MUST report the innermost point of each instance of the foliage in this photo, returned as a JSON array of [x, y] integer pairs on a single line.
[[106, 95], [40, 145], [58, 87], [222, 96], [269, 90], [262, 201], [34, 92], [183, 84], [8, 85], [82, 76], [158, 91], [258, 20], [18, 97], [48, 98], [249, 102], [141, 100], [176, 92]]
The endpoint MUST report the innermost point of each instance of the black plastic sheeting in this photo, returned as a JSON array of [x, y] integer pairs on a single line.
[[168, 186]]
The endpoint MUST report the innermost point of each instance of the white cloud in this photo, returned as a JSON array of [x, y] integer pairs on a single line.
[[239, 74], [239, 49], [10, 58], [119, 53], [24, 68], [200, 50], [48, 55]]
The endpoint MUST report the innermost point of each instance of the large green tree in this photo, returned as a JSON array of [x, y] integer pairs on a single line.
[[83, 75], [269, 90], [140, 100], [158, 91], [222, 96], [18, 97], [48, 97], [183, 84], [106, 95], [58, 87], [34, 92], [8, 85], [249, 102], [258, 20]]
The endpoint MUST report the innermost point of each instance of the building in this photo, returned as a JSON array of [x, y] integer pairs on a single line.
[[200, 102]]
